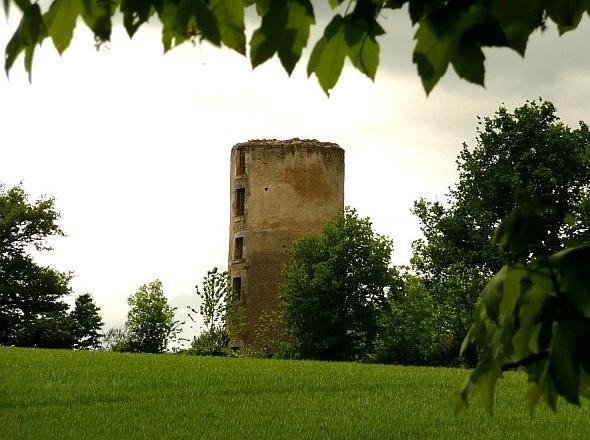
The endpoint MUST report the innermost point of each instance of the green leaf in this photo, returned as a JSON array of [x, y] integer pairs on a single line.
[[187, 19], [419, 8], [566, 13], [431, 54], [61, 21], [492, 293], [482, 383], [563, 366], [230, 18], [533, 301], [329, 53], [135, 13], [97, 16], [205, 21], [533, 395], [363, 49], [173, 33], [468, 62], [511, 292], [438, 38], [284, 30], [30, 32], [574, 280], [517, 20]]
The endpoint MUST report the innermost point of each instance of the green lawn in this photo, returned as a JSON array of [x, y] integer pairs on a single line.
[[67, 394]]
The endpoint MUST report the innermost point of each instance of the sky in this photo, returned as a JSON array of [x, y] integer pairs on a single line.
[[134, 144]]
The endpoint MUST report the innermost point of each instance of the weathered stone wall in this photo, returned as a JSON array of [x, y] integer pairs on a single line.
[[290, 188]]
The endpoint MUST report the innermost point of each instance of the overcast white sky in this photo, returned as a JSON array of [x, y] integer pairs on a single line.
[[134, 145]]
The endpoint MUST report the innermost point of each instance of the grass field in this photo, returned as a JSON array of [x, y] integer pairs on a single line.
[[77, 395]]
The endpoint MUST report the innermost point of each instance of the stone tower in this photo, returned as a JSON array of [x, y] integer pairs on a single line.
[[280, 191]]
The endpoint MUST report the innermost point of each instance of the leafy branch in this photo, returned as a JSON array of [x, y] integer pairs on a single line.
[[447, 32], [534, 315]]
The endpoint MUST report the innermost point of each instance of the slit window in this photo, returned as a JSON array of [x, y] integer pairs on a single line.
[[238, 248], [240, 200], [236, 286], [241, 163]]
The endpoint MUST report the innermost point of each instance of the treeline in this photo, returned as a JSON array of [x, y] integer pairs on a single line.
[[32, 310], [341, 298], [527, 178]]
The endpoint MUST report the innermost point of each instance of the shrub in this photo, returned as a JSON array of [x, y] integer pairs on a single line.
[[210, 343], [271, 337]]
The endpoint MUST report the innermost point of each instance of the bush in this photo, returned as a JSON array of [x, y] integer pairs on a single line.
[[210, 343], [271, 337], [415, 329], [116, 339], [408, 332]]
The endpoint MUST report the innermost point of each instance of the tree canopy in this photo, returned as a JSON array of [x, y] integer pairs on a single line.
[[32, 311], [334, 286], [534, 312], [447, 32], [523, 154], [150, 321]]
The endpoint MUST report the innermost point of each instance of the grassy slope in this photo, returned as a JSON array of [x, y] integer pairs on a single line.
[[67, 394]]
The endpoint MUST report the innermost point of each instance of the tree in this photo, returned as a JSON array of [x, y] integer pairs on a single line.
[[150, 321], [213, 295], [448, 32], [525, 152], [32, 312], [535, 316], [535, 312], [85, 322], [333, 287]]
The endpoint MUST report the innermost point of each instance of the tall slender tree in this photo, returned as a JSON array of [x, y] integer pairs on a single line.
[[86, 322]]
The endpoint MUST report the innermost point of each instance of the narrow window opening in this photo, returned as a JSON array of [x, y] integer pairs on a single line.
[[240, 200], [236, 286], [239, 248], [241, 164]]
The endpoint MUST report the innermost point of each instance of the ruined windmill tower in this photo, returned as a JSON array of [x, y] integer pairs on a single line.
[[280, 191]]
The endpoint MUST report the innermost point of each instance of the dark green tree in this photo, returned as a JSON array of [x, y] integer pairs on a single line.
[[334, 287], [528, 153], [150, 321], [32, 312], [447, 32], [86, 323]]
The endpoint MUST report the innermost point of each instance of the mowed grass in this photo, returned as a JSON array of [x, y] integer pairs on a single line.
[[77, 395]]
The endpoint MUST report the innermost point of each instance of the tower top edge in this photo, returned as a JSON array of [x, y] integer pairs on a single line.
[[277, 143]]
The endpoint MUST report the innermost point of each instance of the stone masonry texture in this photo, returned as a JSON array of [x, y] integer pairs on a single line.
[[279, 192]]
